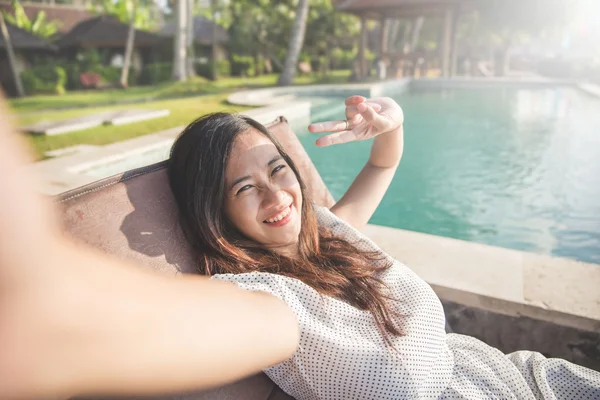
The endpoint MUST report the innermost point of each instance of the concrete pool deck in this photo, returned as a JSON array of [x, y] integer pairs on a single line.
[[510, 299]]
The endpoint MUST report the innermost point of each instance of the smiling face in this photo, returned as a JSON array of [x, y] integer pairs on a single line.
[[262, 194]]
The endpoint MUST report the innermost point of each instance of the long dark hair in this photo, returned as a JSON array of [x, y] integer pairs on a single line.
[[329, 264]]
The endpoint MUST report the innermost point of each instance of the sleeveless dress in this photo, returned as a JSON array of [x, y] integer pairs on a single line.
[[343, 356]]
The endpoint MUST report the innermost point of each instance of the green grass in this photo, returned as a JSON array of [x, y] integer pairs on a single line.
[[183, 111], [186, 101], [163, 91]]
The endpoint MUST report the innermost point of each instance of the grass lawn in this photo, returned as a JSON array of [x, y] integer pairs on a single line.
[[183, 111], [186, 101], [163, 91]]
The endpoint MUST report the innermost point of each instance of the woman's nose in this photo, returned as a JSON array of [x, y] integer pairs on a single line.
[[272, 196]]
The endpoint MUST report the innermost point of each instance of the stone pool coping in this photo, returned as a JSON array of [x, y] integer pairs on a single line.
[[502, 281], [499, 280], [277, 95]]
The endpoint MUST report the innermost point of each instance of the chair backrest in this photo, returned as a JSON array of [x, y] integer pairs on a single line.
[[133, 215]]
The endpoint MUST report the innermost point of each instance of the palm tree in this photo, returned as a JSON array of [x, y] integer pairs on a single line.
[[181, 33], [214, 4], [11, 57], [128, 12], [129, 47], [297, 40], [38, 25], [191, 54]]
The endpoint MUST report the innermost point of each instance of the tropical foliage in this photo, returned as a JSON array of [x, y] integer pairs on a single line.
[[125, 10], [39, 25]]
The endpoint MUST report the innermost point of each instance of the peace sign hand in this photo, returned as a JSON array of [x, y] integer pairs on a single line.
[[365, 119]]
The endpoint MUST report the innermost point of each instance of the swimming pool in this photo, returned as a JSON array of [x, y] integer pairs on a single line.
[[516, 168]]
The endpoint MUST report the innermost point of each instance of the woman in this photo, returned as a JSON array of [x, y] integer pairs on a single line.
[[76, 322], [369, 327]]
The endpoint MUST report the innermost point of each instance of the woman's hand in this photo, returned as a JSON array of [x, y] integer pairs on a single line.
[[365, 119], [379, 118]]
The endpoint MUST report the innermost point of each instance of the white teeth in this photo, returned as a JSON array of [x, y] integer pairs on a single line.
[[280, 216]]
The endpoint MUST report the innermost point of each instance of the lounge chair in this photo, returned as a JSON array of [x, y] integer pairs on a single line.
[[133, 215]]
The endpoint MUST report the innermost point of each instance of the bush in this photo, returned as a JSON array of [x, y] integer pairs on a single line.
[[156, 73], [242, 65], [89, 58], [224, 68], [73, 70], [205, 69], [47, 79], [343, 59], [261, 66], [110, 75]]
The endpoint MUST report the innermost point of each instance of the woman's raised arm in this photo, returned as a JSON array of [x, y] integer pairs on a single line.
[[379, 118]]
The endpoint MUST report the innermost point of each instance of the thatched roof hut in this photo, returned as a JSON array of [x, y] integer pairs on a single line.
[[104, 31], [203, 30], [23, 40]]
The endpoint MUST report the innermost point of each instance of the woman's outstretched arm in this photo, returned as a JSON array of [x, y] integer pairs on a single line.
[[379, 118], [74, 321]]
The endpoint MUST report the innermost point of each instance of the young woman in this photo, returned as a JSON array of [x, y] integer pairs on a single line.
[[369, 327], [75, 322]]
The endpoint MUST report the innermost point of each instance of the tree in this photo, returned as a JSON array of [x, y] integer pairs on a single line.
[[124, 11], [328, 29], [214, 5], [133, 13], [38, 26], [258, 28], [11, 56], [262, 29], [129, 47], [181, 41], [295, 46], [191, 54]]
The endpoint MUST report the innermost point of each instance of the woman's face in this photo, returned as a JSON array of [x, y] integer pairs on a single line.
[[262, 195]]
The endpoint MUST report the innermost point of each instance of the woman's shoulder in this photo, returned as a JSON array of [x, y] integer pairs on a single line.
[[325, 217], [344, 230], [331, 221], [274, 284]]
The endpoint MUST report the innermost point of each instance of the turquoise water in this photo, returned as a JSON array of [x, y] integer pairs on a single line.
[[513, 168]]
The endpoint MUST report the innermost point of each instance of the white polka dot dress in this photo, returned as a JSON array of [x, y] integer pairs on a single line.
[[343, 356]]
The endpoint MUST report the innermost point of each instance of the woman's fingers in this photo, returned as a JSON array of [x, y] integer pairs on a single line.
[[328, 126], [373, 111], [353, 100], [378, 121], [336, 138], [338, 126], [352, 110]]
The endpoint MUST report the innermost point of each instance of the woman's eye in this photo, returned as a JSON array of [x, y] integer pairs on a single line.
[[243, 189], [277, 169]]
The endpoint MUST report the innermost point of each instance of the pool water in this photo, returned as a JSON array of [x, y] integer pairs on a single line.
[[515, 168]]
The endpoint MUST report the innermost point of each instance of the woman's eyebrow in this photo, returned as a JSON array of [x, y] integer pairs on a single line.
[[243, 178], [239, 180], [275, 159]]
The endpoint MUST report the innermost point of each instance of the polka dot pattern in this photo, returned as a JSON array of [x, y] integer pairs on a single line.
[[342, 355]]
